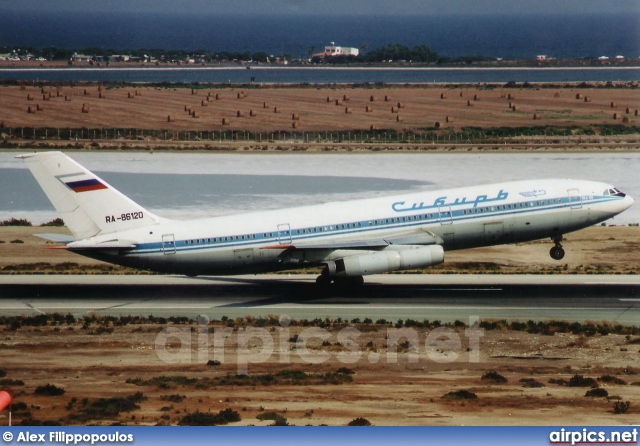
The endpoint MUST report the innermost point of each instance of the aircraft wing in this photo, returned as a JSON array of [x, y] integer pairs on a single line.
[[411, 238]]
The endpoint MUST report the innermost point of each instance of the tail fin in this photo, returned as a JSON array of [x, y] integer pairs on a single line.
[[87, 204]]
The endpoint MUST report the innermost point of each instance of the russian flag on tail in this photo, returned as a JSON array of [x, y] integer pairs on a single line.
[[85, 185], [81, 182]]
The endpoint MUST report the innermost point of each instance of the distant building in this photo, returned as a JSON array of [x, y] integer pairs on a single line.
[[333, 50], [81, 57], [603, 58], [119, 58], [620, 57], [541, 57]]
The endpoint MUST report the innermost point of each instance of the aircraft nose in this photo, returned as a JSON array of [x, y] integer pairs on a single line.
[[625, 203]]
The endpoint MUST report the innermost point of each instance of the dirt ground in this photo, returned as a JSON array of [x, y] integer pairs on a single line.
[[342, 108], [610, 249], [106, 361]]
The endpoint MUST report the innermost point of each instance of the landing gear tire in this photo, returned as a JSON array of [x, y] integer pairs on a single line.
[[557, 253], [323, 280]]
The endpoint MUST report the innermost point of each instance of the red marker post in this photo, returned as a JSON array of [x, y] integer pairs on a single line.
[[5, 400]]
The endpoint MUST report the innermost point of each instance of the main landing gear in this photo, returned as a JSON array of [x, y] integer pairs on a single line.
[[557, 252], [325, 279]]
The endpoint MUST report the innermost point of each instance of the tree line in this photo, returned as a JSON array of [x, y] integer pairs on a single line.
[[392, 52]]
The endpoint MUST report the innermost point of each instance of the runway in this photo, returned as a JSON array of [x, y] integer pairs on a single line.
[[574, 298]]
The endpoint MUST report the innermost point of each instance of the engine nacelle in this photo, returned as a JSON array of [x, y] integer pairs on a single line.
[[387, 260]]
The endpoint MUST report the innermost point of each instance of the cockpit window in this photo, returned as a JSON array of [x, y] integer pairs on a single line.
[[615, 192]]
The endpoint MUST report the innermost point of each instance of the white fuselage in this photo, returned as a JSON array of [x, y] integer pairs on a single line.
[[455, 218]]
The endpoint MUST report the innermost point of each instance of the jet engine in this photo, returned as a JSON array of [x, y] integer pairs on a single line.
[[387, 260]]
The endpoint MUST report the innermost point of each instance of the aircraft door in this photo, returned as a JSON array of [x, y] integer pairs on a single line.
[[574, 198], [168, 244], [446, 217], [284, 234]]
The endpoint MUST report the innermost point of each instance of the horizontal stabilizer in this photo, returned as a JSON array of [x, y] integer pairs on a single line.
[[58, 238], [84, 245]]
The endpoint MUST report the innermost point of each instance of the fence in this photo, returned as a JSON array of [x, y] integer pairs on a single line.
[[427, 137]]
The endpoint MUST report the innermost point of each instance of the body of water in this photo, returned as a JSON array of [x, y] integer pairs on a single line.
[[321, 75], [185, 186]]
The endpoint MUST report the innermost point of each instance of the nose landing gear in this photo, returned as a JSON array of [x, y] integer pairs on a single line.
[[557, 252]]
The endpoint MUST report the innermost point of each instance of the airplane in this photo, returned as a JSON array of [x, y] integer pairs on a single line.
[[348, 239]]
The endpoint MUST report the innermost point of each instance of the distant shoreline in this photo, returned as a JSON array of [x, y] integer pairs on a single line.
[[569, 64]]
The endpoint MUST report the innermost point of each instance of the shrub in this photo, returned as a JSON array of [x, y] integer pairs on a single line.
[[268, 416], [612, 380], [530, 382], [173, 398], [15, 222], [110, 407], [54, 222], [278, 420], [49, 390], [34, 422], [460, 395], [581, 381], [559, 381], [620, 407], [11, 382], [494, 377], [359, 422], [597, 393], [198, 418], [20, 405], [229, 415], [137, 397]]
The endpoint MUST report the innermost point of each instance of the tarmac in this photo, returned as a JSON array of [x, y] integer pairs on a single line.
[[574, 298]]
